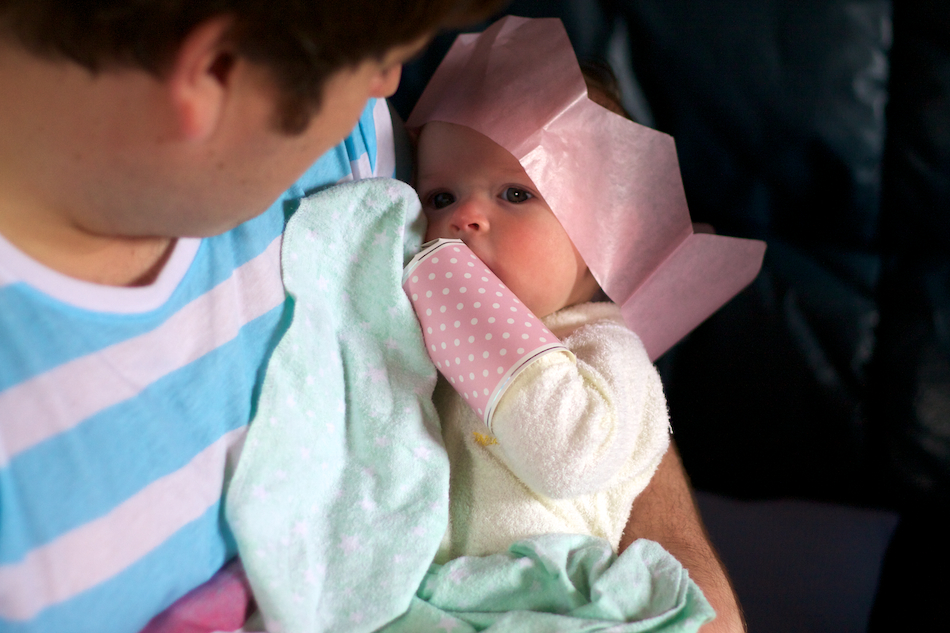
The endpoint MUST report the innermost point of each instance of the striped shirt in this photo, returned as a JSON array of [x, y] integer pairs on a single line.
[[123, 411]]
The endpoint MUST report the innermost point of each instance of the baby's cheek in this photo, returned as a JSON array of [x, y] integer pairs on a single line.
[[435, 229], [428, 225]]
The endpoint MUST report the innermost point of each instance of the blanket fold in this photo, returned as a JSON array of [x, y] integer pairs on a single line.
[[559, 583]]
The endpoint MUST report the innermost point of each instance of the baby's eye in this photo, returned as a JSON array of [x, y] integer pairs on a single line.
[[516, 195], [442, 199]]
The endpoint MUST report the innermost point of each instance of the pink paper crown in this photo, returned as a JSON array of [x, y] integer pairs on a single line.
[[613, 184]]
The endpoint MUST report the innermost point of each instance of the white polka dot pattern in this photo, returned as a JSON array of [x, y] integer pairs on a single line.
[[477, 332]]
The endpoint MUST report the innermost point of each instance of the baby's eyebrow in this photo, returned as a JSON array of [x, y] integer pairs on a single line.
[[425, 175]]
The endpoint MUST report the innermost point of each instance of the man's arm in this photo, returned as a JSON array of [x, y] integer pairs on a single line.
[[666, 512]]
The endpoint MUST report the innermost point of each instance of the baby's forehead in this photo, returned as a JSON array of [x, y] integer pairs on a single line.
[[456, 148]]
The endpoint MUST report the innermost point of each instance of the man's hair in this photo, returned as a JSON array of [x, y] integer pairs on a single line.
[[302, 42]]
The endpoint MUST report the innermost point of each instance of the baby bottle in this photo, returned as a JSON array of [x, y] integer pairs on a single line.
[[477, 332]]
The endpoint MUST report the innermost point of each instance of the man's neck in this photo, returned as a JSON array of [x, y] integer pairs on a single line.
[[111, 261], [53, 194]]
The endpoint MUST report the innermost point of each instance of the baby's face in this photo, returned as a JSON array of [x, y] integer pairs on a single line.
[[474, 190]]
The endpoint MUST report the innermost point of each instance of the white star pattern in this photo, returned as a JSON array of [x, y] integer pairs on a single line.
[[448, 624], [350, 544], [422, 390], [458, 574], [422, 452], [394, 194]]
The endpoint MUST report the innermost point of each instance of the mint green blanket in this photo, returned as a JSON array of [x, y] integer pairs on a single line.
[[340, 498]]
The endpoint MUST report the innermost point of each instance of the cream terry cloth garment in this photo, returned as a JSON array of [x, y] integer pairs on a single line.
[[574, 442]]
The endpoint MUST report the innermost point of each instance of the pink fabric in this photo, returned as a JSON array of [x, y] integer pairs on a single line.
[[221, 604], [479, 335], [614, 185]]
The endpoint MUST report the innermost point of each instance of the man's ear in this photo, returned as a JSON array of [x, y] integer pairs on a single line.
[[199, 78]]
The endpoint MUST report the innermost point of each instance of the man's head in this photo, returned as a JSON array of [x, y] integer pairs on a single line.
[[302, 43], [175, 118]]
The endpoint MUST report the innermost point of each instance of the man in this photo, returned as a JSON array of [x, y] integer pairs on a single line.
[[140, 293]]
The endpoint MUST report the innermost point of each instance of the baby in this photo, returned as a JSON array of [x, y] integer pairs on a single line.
[[574, 440]]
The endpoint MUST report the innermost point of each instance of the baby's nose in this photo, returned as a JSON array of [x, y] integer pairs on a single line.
[[470, 216]]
